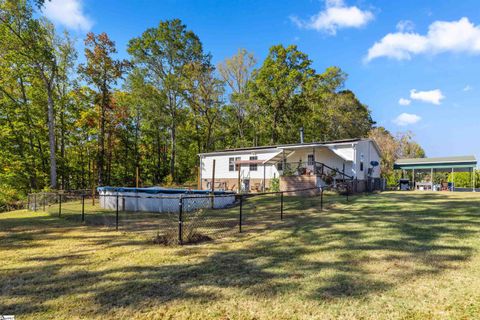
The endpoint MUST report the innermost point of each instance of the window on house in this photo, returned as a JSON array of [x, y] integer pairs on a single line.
[[232, 166], [311, 160], [361, 166], [253, 166], [280, 165]]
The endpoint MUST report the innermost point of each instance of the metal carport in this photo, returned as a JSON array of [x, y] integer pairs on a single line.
[[441, 164]]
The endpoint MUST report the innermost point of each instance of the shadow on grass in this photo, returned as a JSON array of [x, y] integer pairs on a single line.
[[353, 250]]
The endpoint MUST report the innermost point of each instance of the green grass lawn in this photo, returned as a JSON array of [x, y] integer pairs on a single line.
[[384, 256]]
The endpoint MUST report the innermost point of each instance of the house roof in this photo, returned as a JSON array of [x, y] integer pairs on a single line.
[[439, 162], [295, 145]]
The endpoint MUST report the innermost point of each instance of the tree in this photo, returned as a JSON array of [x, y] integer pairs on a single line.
[[408, 147], [236, 72], [162, 54], [171, 106], [150, 135], [102, 71], [389, 147], [34, 42], [203, 94], [64, 85], [334, 112], [278, 88], [393, 148]]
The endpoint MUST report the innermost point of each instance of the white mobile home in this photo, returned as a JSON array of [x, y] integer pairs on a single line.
[[297, 166]]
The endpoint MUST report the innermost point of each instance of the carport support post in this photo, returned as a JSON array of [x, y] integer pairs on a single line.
[[431, 177], [453, 180], [413, 178], [473, 178]]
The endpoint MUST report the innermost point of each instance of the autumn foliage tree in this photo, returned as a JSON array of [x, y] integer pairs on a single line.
[[158, 110], [102, 71]]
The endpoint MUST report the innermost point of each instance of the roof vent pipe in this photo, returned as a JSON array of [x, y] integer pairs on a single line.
[[301, 135]]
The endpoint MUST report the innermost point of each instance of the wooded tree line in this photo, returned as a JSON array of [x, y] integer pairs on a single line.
[[65, 124], [394, 147]]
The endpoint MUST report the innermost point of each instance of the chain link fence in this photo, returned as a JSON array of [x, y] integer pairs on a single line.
[[187, 218]]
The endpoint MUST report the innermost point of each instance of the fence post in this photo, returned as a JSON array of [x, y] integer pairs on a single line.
[[347, 192], [59, 204], [240, 215], [116, 213], [281, 205], [44, 202], [35, 202], [83, 207], [321, 199], [180, 221], [28, 202]]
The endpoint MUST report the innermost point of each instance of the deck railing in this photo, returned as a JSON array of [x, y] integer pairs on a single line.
[[313, 168]]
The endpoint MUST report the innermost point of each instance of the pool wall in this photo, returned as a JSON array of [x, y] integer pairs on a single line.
[[162, 200]]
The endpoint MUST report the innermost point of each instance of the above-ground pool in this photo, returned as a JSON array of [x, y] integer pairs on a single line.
[[157, 199]]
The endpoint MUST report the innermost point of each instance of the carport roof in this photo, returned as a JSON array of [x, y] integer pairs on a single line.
[[436, 163]]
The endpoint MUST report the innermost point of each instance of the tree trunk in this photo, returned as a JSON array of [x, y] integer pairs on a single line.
[[173, 138], [159, 159], [51, 139], [62, 146], [101, 143]]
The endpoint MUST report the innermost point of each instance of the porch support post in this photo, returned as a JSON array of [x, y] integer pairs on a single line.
[[264, 176], [239, 181]]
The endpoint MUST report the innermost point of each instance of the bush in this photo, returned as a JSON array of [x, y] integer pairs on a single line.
[[275, 184], [168, 181], [10, 199]]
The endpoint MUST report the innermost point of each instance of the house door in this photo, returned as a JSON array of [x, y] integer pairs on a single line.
[[246, 185], [311, 162]]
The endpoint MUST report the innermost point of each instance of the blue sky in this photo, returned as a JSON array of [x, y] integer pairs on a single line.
[[426, 53]]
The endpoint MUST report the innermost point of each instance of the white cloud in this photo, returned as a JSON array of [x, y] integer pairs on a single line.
[[432, 96], [405, 26], [467, 88], [68, 13], [442, 36], [406, 119], [335, 16], [404, 102]]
